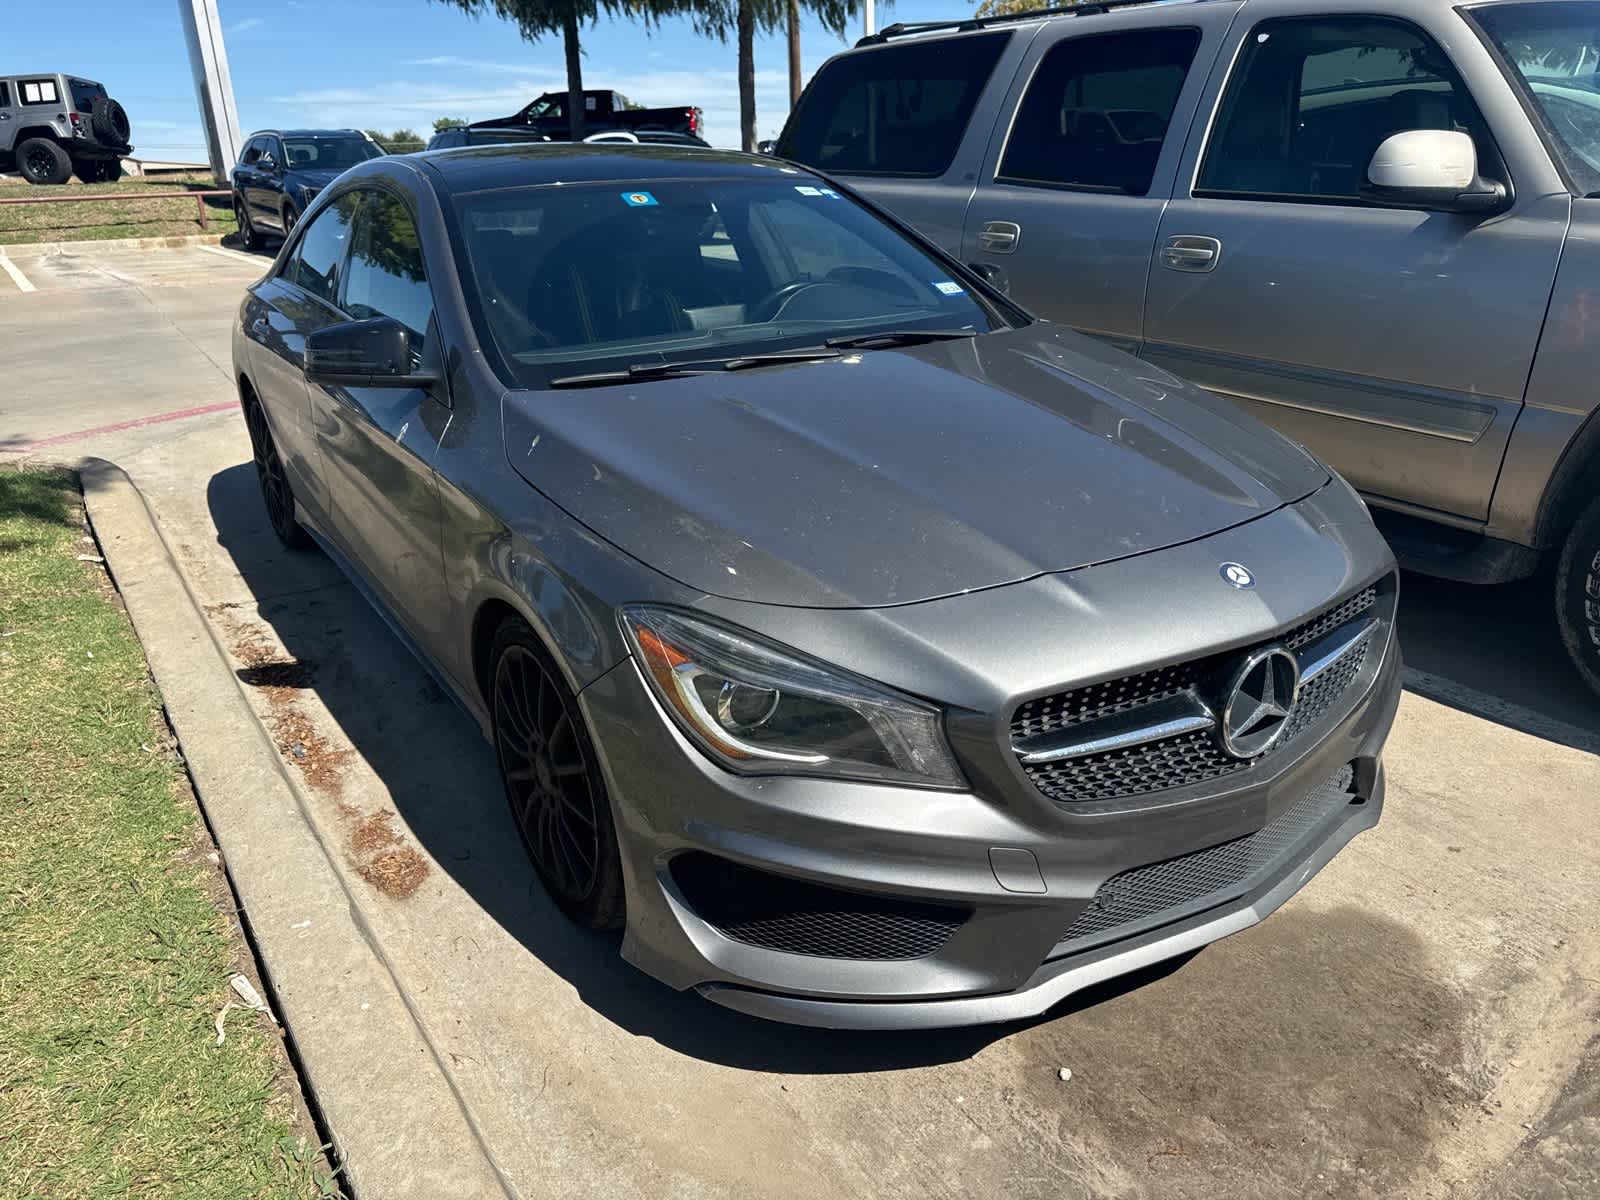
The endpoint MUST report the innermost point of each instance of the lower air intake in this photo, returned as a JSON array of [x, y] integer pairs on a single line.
[[778, 913], [1167, 891]]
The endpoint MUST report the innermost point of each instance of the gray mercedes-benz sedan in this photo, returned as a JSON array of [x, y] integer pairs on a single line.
[[872, 653]]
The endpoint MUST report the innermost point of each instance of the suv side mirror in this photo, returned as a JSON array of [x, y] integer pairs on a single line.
[[1431, 169], [266, 162], [371, 353]]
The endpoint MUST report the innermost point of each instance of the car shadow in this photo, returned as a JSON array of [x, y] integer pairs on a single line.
[[442, 778]]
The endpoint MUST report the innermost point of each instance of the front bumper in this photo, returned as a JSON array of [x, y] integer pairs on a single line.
[[1004, 962]]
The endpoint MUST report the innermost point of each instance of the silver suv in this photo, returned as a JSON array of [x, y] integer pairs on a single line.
[[55, 126], [1376, 226]]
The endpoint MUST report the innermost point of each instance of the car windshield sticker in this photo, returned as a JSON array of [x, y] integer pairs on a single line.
[[949, 288], [638, 199], [807, 190], [830, 193]]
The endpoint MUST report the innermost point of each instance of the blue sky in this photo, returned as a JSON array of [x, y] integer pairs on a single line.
[[389, 63]]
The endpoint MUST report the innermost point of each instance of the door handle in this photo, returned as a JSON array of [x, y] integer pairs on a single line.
[[1000, 237], [1188, 252]]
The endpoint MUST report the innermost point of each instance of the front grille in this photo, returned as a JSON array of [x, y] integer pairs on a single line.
[[778, 913], [1189, 758], [1165, 891]]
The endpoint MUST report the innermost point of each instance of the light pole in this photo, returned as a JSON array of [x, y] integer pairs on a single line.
[[213, 86], [869, 23]]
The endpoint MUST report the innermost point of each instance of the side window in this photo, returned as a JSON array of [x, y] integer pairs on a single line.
[[5, 94], [321, 251], [385, 276], [39, 91], [1311, 100], [900, 110], [271, 151], [1096, 112], [252, 151]]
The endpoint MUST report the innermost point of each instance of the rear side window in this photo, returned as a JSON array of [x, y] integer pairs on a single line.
[[1311, 100], [900, 110], [5, 95], [321, 252], [39, 91], [1096, 112]]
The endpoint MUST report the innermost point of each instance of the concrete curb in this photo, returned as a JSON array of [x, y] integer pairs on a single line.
[[398, 1123], [145, 243]]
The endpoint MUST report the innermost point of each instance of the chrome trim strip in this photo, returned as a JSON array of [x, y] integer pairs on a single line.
[[1147, 723], [1325, 653]]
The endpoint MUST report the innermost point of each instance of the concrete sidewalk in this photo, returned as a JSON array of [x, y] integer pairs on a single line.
[[1414, 1024]]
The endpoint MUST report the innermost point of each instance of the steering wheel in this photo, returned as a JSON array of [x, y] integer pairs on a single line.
[[771, 306]]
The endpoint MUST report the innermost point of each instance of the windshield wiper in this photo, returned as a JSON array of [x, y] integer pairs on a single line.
[[897, 337], [643, 372]]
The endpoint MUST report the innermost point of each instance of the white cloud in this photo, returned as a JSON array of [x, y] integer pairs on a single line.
[[244, 26]]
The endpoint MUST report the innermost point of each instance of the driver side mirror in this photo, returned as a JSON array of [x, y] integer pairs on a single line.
[[371, 353], [1431, 169]]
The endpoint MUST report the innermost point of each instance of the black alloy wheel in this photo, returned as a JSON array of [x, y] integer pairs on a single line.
[[41, 161], [248, 237], [290, 219], [553, 782], [275, 489], [1578, 594]]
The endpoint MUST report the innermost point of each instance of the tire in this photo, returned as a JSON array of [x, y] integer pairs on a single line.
[[248, 237], [1578, 594], [276, 492], [98, 170], [552, 781], [110, 170], [291, 218], [41, 161], [109, 120]]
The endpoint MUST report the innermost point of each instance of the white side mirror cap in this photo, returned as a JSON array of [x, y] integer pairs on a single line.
[[1425, 158]]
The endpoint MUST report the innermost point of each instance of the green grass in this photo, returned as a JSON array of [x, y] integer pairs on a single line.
[[97, 220], [114, 958]]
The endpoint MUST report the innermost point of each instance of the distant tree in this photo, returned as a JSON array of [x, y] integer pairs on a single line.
[[1007, 8], [440, 124], [401, 141], [541, 18]]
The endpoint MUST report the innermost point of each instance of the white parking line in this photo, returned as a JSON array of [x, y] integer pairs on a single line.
[[24, 284], [252, 259], [1503, 712]]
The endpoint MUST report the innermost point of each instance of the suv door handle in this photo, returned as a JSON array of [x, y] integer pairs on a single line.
[[1000, 237], [1188, 252]]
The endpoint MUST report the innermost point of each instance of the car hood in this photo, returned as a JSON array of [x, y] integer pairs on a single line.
[[310, 177], [893, 476]]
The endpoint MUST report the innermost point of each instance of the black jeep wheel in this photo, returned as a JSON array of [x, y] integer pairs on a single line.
[[1578, 594], [553, 782], [275, 489], [41, 161]]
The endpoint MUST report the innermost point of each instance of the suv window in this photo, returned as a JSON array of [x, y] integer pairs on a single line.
[[38, 91], [321, 251], [252, 150], [5, 94], [385, 276], [900, 110], [1097, 109], [1311, 100]]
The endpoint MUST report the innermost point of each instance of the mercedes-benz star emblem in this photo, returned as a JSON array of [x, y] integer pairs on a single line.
[[1238, 575], [1260, 702]]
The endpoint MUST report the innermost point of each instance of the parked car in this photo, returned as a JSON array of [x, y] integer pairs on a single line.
[[280, 172], [655, 137], [876, 655], [449, 139], [602, 109], [1374, 228], [54, 126]]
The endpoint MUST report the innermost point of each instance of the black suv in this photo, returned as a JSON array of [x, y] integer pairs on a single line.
[[54, 126], [282, 170]]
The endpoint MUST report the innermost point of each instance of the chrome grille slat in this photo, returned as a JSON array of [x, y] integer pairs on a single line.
[[1056, 737]]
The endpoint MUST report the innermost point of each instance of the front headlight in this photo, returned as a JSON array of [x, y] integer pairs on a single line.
[[760, 709]]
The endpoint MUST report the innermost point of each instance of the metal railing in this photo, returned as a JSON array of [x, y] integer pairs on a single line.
[[200, 198]]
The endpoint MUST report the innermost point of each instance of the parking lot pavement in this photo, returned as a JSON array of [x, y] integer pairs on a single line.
[[124, 346], [1418, 1022]]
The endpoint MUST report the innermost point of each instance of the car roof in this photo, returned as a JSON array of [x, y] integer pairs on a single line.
[[307, 133], [480, 168]]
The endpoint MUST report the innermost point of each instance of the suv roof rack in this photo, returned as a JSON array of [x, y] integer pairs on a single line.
[[965, 24]]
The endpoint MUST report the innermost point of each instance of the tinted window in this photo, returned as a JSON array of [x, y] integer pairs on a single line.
[[321, 250], [84, 94], [1554, 51], [252, 150], [1311, 100], [38, 91], [445, 139], [325, 154], [899, 110], [384, 277], [5, 94], [586, 278], [1097, 110]]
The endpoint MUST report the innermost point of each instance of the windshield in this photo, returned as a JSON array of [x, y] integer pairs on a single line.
[[595, 277], [1555, 50], [327, 154]]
